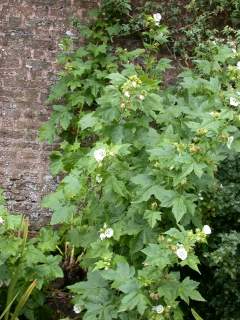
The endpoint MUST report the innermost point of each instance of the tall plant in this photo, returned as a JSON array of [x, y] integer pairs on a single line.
[[137, 156]]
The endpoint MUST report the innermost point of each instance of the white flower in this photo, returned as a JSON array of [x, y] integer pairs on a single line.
[[238, 65], [109, 233], [158, 309], [181, 252], [127, 94], [69, 33], [98, 178], [141, 97], [157, 17], [1, 220], [234, 102], [230, 141], [206, 229], [102, 236], [99, 154], [77, 308]]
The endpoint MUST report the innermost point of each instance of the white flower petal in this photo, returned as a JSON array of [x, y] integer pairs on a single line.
[[109, 233], [181, 252], [158, 309], [102, 236], [1, 220], [234, 102], [157, 17], [206, 229], [127, 94], [77, 308], [99, 154], [98, 178], [69, 33]]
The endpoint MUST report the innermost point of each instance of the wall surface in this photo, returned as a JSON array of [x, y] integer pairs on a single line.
[[29, 34]]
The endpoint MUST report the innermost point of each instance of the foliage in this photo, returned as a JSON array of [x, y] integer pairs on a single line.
[[115, 8], [226, 10], [224, 262], [26, 265], [137, 157], [220, 261], [194, 23]]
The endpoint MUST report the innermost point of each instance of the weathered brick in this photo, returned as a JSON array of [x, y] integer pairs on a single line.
[[14, 22], [29, 34]]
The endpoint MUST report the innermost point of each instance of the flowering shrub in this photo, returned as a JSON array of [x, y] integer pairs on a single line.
[[138, 158]]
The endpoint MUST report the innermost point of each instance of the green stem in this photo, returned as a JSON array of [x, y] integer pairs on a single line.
[[12, 286]]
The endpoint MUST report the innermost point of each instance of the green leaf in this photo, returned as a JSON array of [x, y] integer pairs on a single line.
[[129, 286], [165, 196], [47, 131], [48, 269], [62, 115], [134, 300], [94, 280], [72, 184], [48, 240], [56, 165], [178, 314], [157, 256], [198, 169], [87, 121], [152, 217], [83, 237], [117, 79], [119, 276], [118, 186], [168, 288], [97, 50], [142, 180], [179, 208], [188, 290], [63, 214], [163, 64], [153, 102], [192, 261], [224, 52], [58, 91]]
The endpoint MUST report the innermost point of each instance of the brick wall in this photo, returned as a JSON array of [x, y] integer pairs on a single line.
[[29, 35]]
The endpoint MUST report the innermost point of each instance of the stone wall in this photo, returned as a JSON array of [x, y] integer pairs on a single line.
[[29, 34]]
